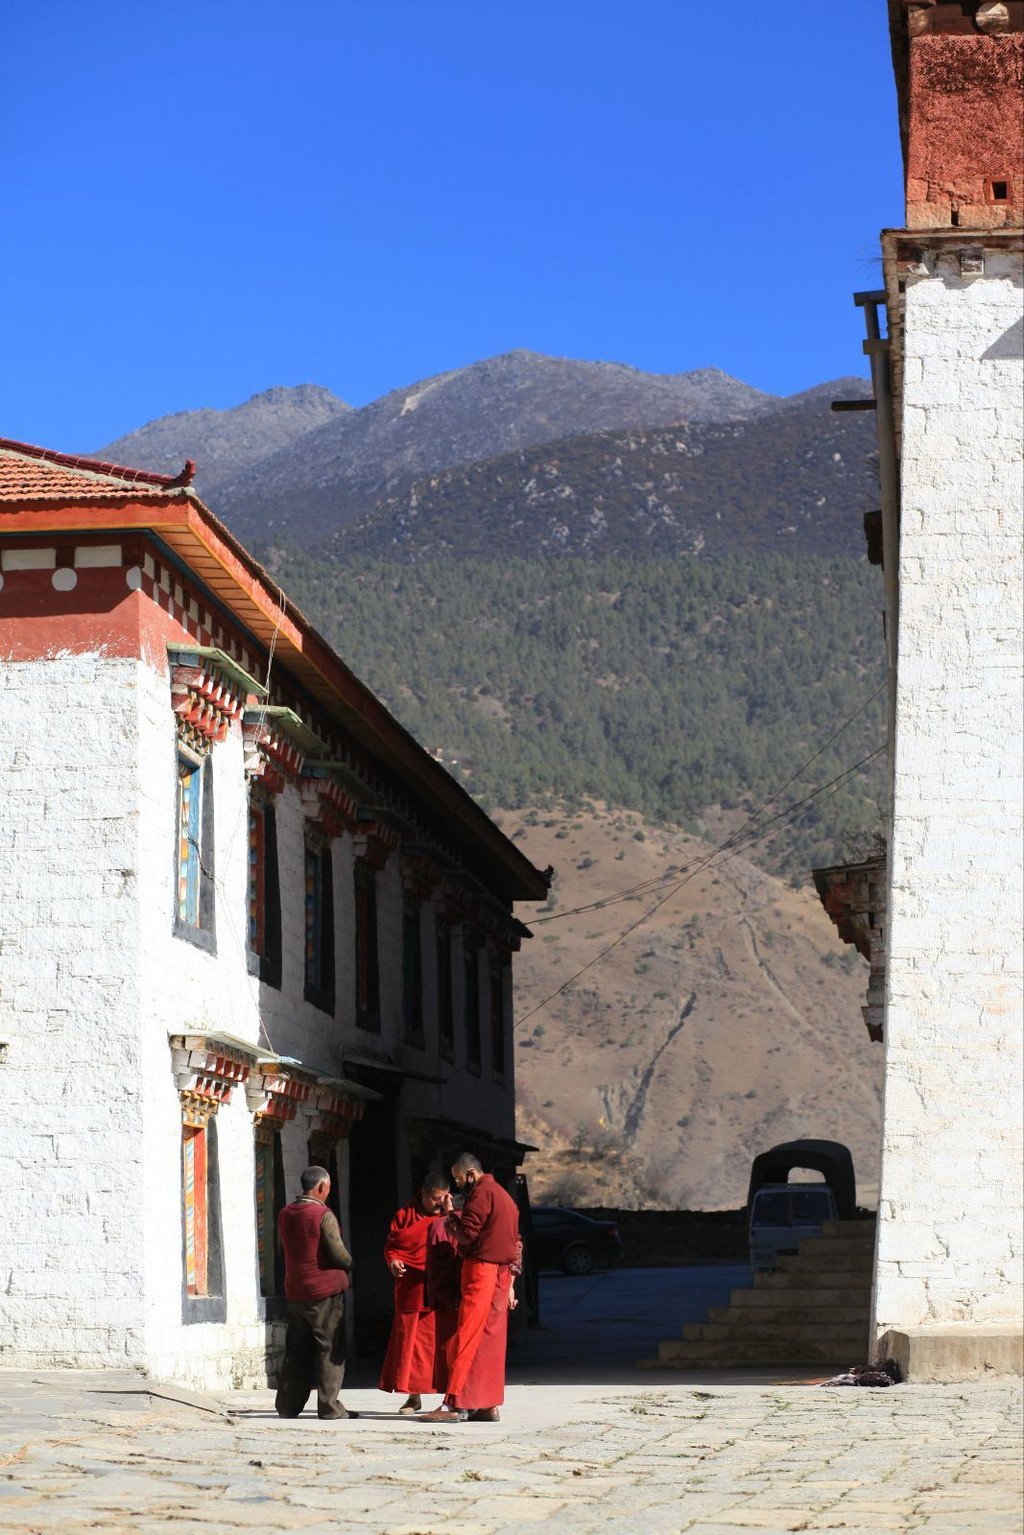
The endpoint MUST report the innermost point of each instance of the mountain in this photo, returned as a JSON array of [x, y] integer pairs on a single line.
[[298, 466], [801, 476], [225, 442], [343, 469], [728, 1022]]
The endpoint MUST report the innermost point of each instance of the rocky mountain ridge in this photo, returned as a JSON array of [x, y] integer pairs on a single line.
[[800, 477], [294, 466], [223, 443]]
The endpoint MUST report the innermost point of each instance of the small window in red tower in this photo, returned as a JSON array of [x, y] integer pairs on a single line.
[[997, 190]]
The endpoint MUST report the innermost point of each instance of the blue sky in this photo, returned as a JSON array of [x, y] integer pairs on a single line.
[[205, 199]]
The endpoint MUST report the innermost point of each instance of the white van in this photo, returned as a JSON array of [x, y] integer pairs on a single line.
[[782, 1215]]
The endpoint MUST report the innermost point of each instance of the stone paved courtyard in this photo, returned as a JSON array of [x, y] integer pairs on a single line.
[[100, 1453]]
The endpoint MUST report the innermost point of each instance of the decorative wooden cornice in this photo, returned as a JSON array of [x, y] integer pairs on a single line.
[[208, 690], [276, 1090], [275, 741], [336, 1111], [279, 1087], [327, 804], [374, 842], [855, 896], [206, 1067], [420, 877]]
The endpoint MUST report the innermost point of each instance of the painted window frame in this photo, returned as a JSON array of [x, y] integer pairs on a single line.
[[202, 1243], [194, 917]]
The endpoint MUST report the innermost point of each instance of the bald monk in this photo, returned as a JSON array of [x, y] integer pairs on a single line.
[[409, 1362], [486, 1236]]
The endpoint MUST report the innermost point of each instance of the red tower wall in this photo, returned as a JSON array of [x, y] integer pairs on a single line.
[[965, 131]]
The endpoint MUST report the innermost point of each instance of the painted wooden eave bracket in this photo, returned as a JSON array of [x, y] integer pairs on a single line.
[[194, 655]]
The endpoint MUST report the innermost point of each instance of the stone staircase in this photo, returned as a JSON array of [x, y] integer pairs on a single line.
[[814, 1308]]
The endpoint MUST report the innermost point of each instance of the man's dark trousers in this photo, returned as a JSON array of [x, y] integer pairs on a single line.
[[314, 1355]]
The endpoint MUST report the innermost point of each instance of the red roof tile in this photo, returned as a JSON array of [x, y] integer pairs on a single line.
[[28, 473]]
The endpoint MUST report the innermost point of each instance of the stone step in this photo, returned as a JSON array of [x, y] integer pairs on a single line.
[[733, 1353], [857, 1231], [843, 1335], [806, 1297], [814, 1279], [786, 1316], [828, 1255]]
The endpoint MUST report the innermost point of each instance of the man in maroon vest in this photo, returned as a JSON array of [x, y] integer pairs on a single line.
[[317, 1265]]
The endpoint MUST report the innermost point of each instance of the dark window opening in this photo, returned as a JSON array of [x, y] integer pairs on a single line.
[[270, 1201], [412, 976], [445, 1011], [472, 1009], [264, 926], [498, 1021], [319, 987], [367, 964], [998, 190]]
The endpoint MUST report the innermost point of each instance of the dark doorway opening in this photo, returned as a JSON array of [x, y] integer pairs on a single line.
[[373, 1200]]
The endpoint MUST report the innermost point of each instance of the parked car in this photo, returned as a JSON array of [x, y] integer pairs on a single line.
[[782, 1215], [574, 1243]]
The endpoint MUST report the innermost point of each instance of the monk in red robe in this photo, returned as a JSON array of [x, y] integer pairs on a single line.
[[409, 1362], [486, 1236]]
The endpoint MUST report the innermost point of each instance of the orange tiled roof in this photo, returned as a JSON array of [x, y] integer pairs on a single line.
[[28, 473]]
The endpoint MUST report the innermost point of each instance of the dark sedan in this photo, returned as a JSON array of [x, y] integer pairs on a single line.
[[574, 1243]]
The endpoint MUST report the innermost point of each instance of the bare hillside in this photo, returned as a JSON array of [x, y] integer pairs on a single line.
[[726, 1023]]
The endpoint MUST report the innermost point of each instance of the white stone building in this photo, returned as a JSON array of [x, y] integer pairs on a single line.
[[240, 930], [947, 932]]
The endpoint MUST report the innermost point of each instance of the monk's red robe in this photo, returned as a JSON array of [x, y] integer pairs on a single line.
[[486, 1234], [409, 1361], [476, 1350], [443, 1290]]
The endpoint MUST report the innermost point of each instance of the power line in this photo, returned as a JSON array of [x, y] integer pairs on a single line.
[[732, 847], [649, 884]]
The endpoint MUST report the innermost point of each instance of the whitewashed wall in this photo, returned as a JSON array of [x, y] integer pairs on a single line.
[[72, 1281], [187, 990], [950, 1212], [93, 980]]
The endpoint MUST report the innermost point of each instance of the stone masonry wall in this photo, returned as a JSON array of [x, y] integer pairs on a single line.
[[71, 1142], [950, 1210]]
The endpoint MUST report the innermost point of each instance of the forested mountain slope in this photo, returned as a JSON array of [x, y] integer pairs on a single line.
[[667, 687]]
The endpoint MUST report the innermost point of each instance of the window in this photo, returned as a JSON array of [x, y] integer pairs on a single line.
[[498, 1031], [471, 982], [367, 965], [264, 926], [412, 976], [445, 1012], [194, 885], [270, 1200], [319, 988], [196, 1244], [203, 1269]]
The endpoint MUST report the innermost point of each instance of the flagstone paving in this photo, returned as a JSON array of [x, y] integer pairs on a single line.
[[95, 1453]]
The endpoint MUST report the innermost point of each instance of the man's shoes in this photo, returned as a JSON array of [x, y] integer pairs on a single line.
[[413, 1403], [337, 1411], [444, 1415], [485, 1415]]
